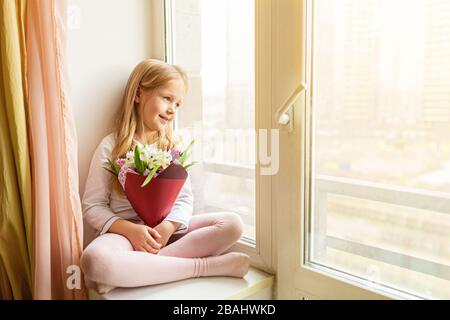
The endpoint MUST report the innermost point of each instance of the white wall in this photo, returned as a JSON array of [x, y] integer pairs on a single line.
[[105, 42]]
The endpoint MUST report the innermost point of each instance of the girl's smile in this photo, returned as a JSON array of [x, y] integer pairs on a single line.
[[164, 120]]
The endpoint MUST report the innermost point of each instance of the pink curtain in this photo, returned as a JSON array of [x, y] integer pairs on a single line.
[[57, 217]]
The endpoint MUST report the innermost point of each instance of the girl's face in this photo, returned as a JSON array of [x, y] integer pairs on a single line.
[[158, 107]]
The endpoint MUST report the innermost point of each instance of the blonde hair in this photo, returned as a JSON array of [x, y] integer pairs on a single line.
[[149, 74]]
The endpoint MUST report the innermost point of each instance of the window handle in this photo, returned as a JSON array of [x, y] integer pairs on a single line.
[[282, 115]]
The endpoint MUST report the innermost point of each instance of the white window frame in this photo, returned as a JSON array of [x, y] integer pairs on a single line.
[[262, 251]]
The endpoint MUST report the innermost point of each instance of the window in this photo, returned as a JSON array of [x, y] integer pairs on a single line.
[[380, 143], [213, 40]]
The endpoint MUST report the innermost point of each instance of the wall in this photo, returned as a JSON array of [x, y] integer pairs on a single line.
[[106, 39]]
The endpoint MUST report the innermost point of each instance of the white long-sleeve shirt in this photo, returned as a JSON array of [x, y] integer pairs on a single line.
[[102, 205]]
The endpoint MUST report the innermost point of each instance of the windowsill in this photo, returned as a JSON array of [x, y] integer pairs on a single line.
[[205, 288]]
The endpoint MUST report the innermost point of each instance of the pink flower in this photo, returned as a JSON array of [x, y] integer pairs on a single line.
[[120, 162], [175, 154]]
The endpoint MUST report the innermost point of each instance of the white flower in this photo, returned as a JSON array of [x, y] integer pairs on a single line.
[[163, 158], [129, 162], [151, 156]]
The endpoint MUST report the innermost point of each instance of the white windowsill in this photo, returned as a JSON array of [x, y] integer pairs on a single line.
[[205, 288]]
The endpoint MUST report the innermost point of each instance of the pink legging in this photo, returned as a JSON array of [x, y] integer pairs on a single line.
[[110, 259]]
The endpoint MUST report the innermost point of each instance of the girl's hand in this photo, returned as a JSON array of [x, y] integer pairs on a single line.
[[141, 237], [166, 229]]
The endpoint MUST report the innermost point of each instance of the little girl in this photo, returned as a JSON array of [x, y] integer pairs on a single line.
[[126, 252]]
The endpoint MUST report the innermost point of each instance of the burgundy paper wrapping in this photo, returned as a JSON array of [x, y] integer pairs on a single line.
[[154, 201]]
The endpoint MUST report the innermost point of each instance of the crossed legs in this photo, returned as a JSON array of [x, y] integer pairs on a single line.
[[110, 260]]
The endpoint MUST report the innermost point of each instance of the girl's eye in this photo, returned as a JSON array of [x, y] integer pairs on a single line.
[[178, 105], [167, 98]]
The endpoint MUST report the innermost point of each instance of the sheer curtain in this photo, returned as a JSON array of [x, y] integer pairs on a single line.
[[57, 215]]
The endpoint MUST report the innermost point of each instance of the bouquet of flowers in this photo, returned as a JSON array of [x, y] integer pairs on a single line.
[[152, 179]]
